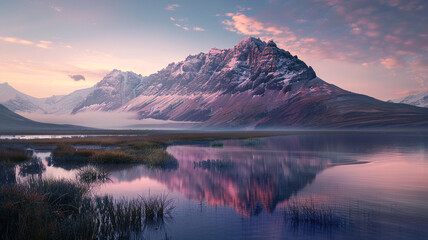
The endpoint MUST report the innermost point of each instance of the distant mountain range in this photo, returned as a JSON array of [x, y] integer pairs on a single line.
[[10, 121], [420, 100], [61, 104], [255, 85]]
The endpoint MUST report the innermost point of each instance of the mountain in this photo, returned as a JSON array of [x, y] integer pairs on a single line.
[[254, 84], [20, 102], [66, 103], [115, 90], [17, 101], [420, 100], [10, 121]]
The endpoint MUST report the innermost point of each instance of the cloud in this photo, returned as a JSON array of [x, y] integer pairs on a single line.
[[185, 27], [199, 29], [178, 19], [172, 7], [40, 44], [43, 44], [182, 27], [393, 62], [56, 8], [244, 25], [242, 9], [77, 77], [16, 40], [49, 68], [420, 64], [386, 33]]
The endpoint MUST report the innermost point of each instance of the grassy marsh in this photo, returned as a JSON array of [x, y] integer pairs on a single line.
[[13, 155], [150, 154], [63, 209]]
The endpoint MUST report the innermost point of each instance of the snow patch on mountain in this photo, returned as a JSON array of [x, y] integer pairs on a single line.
[[419, 100]]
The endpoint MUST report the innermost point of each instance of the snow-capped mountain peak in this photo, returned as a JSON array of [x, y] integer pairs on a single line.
[[420, 99], [249, 43], [114, 90]]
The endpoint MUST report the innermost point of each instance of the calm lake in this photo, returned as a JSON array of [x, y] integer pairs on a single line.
[[376, 186]]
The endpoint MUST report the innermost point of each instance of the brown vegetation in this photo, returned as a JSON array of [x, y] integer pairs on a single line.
[[8, 154], [146, 153], [151, 138], [62, 209]]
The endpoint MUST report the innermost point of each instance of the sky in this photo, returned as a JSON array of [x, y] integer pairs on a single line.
[[47, 47]]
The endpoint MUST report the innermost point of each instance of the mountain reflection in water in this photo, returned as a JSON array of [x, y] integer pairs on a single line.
[[260, 175]]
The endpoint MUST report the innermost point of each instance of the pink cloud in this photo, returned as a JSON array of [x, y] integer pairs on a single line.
[[407, 92], [172, 7], [44, 44], [393, 39], [199, 29], [407, 5], [244, 25], [242, 9], [182, 27], [16, 40], [372, 34], [40, 44], [356, 30], [56, 8], [393, 62]]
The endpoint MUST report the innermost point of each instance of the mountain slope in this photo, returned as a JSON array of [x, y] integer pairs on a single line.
[[20, 102], [17, 101], [116, 89], [419, 100], [10, 121], [66, 103]]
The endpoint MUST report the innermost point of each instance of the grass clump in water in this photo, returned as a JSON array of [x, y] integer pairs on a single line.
[[33, 208], [111, 157], [63, 209], [13, 155], [91, 174], [153, 155], [65, 154], [156, 208], [33, 167]]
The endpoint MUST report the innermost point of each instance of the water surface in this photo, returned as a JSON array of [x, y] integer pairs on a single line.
[[376, 184]]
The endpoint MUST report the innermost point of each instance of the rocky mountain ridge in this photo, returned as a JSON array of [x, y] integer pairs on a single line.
[[254, 84]]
